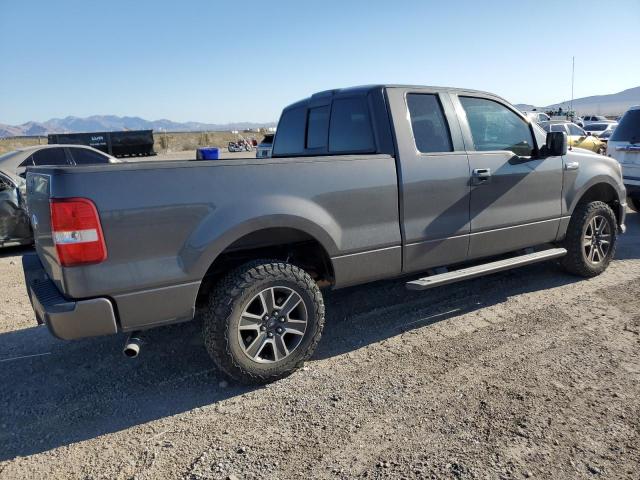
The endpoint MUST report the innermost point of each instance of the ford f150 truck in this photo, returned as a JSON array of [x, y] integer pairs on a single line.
[[364, 183]]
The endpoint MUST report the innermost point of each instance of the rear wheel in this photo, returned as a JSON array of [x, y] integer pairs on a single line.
[[263, 321], [634, 203], [591, 239]]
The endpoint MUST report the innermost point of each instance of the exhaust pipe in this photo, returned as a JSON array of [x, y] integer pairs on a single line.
[[132, 345]]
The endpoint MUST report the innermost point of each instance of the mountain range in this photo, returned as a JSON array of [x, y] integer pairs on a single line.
[[110, 123], [613, 104]]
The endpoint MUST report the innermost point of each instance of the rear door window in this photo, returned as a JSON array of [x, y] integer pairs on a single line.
[[430, 129], [350, 126], [318, 127], [576, 130], [82, 156], [50, 156], [289, 138]]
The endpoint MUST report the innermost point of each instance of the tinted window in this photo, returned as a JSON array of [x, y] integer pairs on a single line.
[[576, 130], [318, 127], [50, 156], [429, 126], [628, 130], [597, 127], [495, 127], [350, 129], [27, 162], [289, 139], [558, 127], [82, 156]]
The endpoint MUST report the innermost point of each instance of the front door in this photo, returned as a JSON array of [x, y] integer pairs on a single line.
[[433, 173], [515, 194]]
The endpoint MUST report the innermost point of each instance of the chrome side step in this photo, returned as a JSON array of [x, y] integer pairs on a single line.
[[484, 269]]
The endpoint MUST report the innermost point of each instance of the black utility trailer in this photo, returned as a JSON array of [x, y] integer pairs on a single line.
[[131, 143]]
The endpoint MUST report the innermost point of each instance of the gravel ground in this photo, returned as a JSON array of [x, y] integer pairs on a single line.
[[526, 374]]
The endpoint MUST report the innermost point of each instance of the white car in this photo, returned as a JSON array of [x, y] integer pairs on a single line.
[[537, 117], [588, 119], [624, 146], [601, 128]]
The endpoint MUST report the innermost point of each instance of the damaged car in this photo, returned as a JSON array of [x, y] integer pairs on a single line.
[[15, 228]]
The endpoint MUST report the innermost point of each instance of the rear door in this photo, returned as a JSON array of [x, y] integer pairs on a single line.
[[515, 196], [433, 175]]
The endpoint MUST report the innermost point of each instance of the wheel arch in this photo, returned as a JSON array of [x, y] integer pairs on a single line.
[[600, 190], [285, 243]]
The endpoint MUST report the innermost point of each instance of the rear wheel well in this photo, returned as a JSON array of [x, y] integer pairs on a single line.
[[602, 192], [284, 244]]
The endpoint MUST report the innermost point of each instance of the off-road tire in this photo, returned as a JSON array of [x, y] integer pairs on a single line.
[[634, 203], [576, 261], [225, 306]]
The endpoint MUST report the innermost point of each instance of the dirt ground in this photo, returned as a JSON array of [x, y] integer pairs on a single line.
[[526, 374]]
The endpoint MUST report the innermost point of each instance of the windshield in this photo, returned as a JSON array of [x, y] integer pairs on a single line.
[[628, 130], [597, 127]]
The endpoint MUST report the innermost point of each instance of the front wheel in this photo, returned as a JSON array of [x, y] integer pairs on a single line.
[[263, 321], [591, 239]]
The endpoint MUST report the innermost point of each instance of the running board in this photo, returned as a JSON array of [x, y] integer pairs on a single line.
[[484, 269]]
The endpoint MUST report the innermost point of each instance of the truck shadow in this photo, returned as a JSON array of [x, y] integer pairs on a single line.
[[56, 393]]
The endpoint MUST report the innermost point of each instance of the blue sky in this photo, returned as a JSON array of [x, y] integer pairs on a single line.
[[214, 61]]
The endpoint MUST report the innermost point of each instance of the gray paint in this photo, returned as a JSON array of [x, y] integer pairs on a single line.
[[376, 215]]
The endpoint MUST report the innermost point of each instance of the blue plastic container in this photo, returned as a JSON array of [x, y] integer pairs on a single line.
[[208, 153]]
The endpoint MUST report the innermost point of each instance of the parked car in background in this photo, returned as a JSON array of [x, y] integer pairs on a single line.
[[588, 119], [624, 146], [364, 183], [537, 116], [14, 221], [576, 136], [263, 150], [604, 136], [599, 128]]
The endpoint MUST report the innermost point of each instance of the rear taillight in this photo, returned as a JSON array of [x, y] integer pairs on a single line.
[[76, 232]]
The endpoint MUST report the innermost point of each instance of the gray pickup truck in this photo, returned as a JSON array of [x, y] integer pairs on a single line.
[[365, 183]]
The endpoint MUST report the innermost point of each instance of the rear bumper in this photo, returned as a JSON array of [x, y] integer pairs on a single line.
[[66, 319]]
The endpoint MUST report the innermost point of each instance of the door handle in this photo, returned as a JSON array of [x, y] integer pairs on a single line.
[[572, 165], [480, 176]]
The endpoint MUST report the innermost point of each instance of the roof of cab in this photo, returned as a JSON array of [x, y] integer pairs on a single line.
[[365, 89]]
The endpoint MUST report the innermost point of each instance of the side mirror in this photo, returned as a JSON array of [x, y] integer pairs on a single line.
[[556, 144], [588, 134]]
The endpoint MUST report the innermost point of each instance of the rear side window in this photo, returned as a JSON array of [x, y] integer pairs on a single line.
[[82, 156], [350, 126], [628, 130], [318, 127], [576, 130], [495, 127], [289, 138], [50, 156], [429, 126]]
